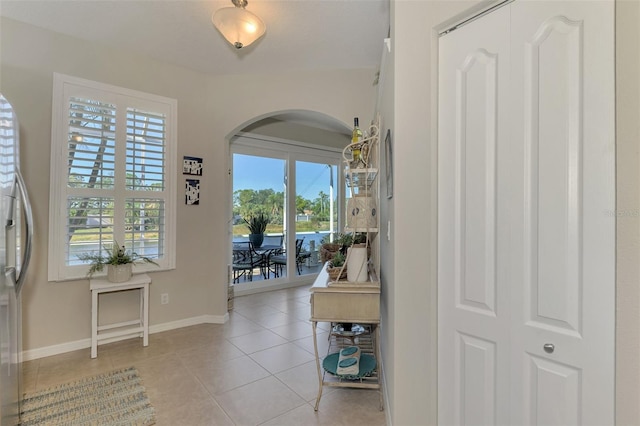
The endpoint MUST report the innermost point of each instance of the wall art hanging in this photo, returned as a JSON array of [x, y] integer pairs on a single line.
[[191, 166], [192, 192]]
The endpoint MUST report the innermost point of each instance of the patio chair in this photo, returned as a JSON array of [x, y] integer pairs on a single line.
[[273, 241], [277, 262], [245, 260], [271, 246], [301, 257]]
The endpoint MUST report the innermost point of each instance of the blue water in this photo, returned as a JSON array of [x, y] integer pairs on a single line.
[[308, 237], [151, 250]]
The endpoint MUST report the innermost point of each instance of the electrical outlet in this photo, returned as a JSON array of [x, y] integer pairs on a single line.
[[164, 298]]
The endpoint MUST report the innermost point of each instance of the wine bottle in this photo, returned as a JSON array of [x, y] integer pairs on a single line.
[[356, 137]]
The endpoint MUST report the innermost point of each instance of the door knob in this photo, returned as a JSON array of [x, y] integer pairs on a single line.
[[549, 348]]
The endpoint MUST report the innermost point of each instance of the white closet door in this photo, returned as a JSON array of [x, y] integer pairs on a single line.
[[526, 230], [473, 292], [563, 251]]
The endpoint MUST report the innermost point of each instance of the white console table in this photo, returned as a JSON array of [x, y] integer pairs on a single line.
[[139, 327]]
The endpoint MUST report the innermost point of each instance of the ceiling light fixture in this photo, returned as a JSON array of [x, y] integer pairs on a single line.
[[239, 26]]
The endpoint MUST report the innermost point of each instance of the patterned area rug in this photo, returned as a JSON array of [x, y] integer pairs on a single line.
[[115, 398]]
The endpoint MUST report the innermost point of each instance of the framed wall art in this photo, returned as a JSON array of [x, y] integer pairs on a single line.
[[192, 192], [192, 166]]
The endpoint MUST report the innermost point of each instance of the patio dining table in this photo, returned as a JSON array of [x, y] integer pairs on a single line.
[[264, 251], [267, 249]]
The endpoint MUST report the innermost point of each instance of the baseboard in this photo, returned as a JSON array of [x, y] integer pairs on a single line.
[[187, 322], [62, 348], [385, 393]]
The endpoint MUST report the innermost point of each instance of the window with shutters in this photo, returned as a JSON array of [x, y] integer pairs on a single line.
[[113, 163]]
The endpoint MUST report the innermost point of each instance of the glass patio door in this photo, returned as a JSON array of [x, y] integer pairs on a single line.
[[299, 189], [316, 213], [259, 188]]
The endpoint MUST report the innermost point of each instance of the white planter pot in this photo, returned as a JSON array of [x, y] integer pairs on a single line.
[[357, 267], [119, 273]]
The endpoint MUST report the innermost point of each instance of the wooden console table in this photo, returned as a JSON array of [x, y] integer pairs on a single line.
[[345, 302]]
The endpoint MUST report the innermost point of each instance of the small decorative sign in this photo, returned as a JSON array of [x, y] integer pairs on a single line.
[[191, 166], [192, 192]]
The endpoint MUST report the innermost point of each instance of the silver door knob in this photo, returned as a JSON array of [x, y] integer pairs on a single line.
[[549, 348]]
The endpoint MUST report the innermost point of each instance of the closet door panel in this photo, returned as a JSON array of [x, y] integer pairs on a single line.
[[474, 317], [526, 265], [562, 61], [475, 175]]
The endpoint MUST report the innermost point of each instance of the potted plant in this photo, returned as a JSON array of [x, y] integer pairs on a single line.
[[257, 224], [329, 248], [360, 238], [336, 267], [341, 242], [118, 260]]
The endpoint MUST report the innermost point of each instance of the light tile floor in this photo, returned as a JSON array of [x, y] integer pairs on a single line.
[[257, 369]]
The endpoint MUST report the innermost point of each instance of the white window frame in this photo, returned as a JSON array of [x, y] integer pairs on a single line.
[[291, 152], [64, 87]]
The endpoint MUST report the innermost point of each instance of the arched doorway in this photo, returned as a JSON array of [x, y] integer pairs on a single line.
[[285, 167]]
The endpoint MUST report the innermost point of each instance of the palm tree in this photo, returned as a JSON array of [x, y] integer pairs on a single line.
[[324, 199], [275, 204]]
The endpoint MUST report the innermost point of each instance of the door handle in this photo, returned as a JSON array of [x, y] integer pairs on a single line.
[[549, 348], [28, 227]]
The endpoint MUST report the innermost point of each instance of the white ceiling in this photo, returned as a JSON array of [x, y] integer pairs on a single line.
[[301, 34]]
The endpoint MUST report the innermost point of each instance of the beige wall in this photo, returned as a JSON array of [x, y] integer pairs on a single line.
[[301, 133], [387, 233], [410, 339], [628, 209], [209, 110], [58, 313]]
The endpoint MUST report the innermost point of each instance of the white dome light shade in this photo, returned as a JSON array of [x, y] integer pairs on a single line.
[[239, 26]]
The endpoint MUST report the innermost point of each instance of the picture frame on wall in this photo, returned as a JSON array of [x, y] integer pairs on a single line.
[[192, 192], [192, 166], [388, 161]]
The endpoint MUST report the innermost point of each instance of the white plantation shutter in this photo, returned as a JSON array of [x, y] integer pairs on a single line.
[[145, 223], [89, 222], [112, 150], [145, 172], [145, 150], [91, 143], [8, 135]]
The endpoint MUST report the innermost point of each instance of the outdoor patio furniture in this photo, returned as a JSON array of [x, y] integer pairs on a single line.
[[246, 259], [279, 261], [272, 241]]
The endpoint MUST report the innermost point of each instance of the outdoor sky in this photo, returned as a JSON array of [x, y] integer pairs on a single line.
[[250, 172]]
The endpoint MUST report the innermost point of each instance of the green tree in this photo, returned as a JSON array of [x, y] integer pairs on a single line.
[[324, 202], [302, 204], [275, 202], [320, 207], [251, 202]]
